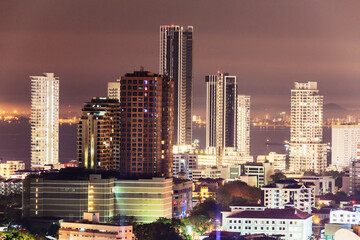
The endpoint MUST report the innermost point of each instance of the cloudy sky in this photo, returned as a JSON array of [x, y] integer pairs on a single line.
[[268, 44]]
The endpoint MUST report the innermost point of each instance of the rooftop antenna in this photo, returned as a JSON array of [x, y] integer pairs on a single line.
[[141, 68]]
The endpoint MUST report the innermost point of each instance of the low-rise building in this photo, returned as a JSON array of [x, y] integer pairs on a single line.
[[323, 184], [8, 168], [289, 193], [206, 188], [11, 186], [262, 171], [344, 217], [278, 160], [182, 198], [288, 223], [91, 228], [321, 216], [206, 172], [73, 191]]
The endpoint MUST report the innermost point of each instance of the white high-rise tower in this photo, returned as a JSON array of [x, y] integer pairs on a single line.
[[243, 125], [114, 90], [176, 53], [307, 152], [44, 120]]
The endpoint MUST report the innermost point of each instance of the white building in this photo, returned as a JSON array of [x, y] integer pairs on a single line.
[[307, 151], [185, 163], [323, 184], [206, 172], [262, 171], [290, 223], [344, 217], [44, 120], [206, 160], [176, 55], [90, 228], [243, 125], [114, 90], [344, 140], [298, 195], [278, 160], [9, 168]]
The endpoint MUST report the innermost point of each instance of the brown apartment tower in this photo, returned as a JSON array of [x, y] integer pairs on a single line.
[[146, 124]]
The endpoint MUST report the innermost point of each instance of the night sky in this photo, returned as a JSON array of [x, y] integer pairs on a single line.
[[267, 44]]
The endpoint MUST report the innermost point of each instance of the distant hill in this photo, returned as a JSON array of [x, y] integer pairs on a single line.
[[334, 110], [333, 106]]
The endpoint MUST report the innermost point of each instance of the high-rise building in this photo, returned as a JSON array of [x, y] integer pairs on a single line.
[[243, 125], [114, 90], [221, 117], [98, 134], [146, 131], [176, 53], [307, 151], [44, 120], [344, 140]]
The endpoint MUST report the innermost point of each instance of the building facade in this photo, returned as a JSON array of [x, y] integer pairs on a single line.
[[323, 184], [114, 90], [146, 130], [91, 228], [298, 195], [176, 61], [10, 167], [278, 160], [11, 186], [98, 135], [307, 151], [44, 120], [344, 217], [182, 198], [344, 140], [71, 192], [243, 125], [221, 117], [354, 178], [184, 163], [287, 223]]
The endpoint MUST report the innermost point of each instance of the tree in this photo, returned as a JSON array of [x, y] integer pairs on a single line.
[[236, 190], [16, 235], [277, 177], [163, 228]]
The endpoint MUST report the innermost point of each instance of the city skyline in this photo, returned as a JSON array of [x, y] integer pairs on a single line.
[[298, 49]]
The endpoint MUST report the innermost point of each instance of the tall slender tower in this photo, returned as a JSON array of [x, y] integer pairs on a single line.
[[221, 118], [44, 120], [176, 53], [146, 129], [243, 125], [307, 152]]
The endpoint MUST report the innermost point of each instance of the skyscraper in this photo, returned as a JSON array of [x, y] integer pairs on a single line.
[[98, 135], [243, 125], [307, 152], [44, 120], [146, 129], [221, 118], [176, 52]]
